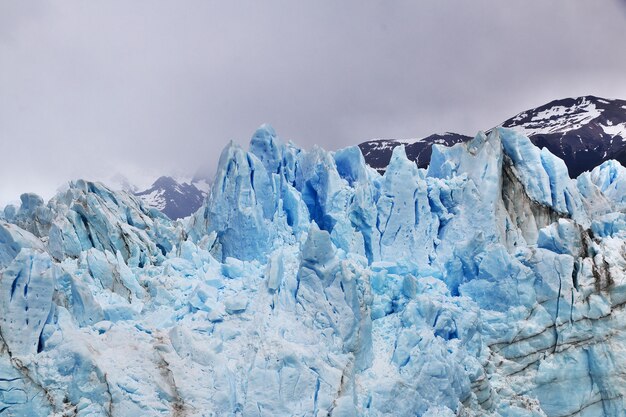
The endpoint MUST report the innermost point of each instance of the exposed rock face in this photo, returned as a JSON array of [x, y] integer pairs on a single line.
[[174, 199], [309, 284]]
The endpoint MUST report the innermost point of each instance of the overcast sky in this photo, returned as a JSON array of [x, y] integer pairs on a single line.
[[143, 88]]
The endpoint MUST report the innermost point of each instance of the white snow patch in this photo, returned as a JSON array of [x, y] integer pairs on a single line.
[[390, 143], [559, 119], [615, 130], [154, 199], [553, 111]]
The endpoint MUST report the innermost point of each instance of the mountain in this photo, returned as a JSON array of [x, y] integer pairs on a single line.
[[490, 284], [583, 131], [175, 199], [377, 153]]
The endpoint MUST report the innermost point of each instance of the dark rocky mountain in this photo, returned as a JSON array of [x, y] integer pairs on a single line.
[[175, 199], [377, 153], [583, 131]]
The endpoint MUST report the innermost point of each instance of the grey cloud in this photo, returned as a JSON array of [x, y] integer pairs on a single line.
[[150, 87]]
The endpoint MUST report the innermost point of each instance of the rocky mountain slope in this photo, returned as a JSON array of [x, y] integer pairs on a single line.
[[173, 198], [583, 131], [491, 284]]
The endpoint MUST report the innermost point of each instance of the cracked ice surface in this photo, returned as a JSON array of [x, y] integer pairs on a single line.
[[310, 285]]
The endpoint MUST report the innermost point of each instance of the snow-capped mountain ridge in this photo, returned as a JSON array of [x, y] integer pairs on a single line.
[[173, 198], [583, 131], [558, 116]]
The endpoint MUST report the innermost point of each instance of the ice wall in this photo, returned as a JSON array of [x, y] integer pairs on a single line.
[[310, 285]]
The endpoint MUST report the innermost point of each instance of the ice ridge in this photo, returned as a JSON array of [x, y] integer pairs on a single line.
[[490, 284]]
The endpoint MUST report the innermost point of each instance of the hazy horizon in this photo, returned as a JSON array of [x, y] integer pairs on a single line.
[[145, 89]]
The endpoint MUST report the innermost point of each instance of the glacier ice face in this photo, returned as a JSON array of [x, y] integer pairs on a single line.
[[490, 284], [13, 239], [609, 178], [26, 287]]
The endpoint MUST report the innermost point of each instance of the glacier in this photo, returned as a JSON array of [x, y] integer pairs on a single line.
[[489, 284]]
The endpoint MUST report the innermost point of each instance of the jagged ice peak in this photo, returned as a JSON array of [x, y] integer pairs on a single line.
[[489, 284]]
